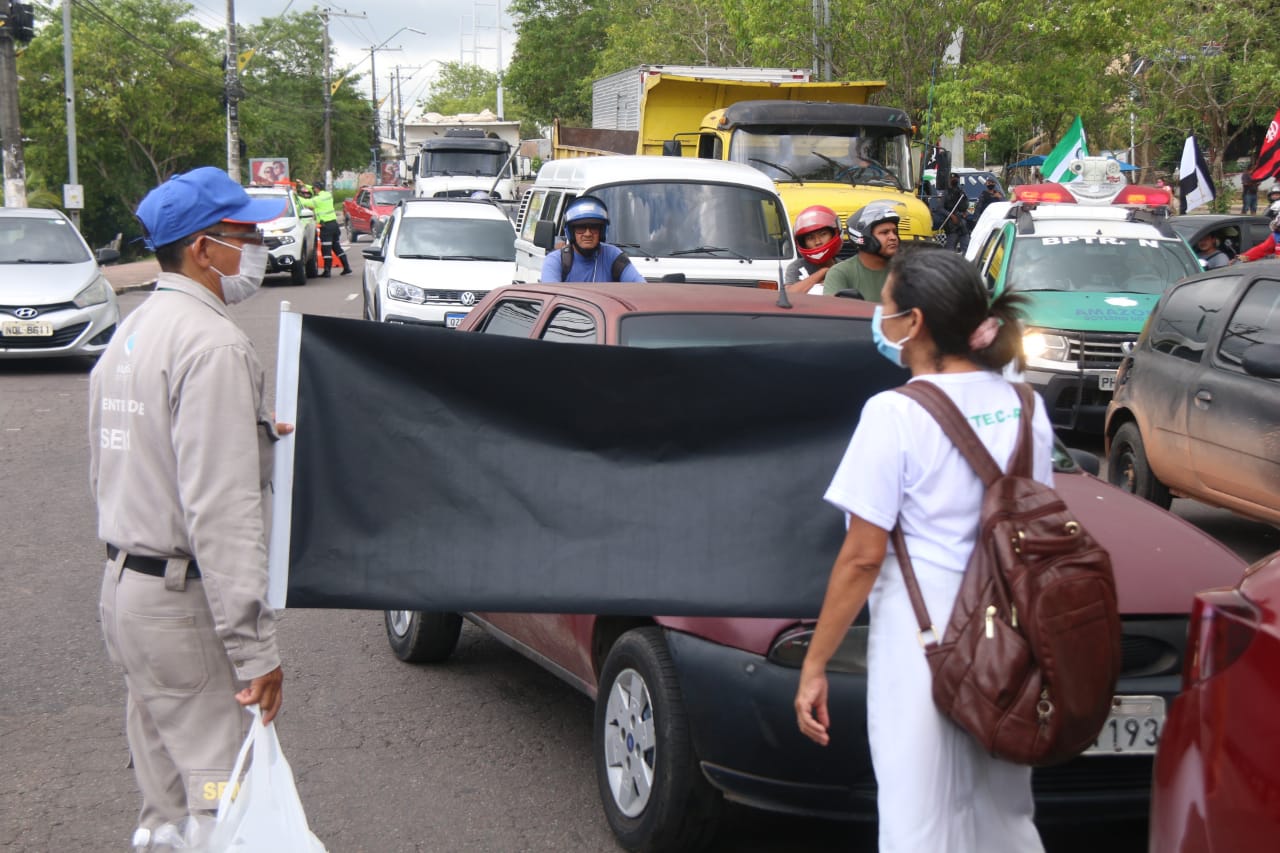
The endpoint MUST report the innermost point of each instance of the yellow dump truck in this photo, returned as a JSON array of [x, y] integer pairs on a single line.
[[821, 143]]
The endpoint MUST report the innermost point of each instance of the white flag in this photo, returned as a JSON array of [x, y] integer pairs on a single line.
[[1194, 184]]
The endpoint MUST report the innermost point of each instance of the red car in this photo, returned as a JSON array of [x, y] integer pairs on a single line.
[[1217, 774], [370, 208], [693, 711]]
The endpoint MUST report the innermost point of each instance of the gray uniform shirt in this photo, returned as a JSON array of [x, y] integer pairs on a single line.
[[180, 441]]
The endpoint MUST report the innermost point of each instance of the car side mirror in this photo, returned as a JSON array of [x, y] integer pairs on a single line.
[[306, 212], [544, 235], [107, 255], [374, 253], [1262, 360]]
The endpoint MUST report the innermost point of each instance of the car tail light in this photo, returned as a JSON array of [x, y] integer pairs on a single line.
[[1134, 194], [1043, 192], [1223, 623]]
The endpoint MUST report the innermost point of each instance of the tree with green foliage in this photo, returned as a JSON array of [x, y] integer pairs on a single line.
[[463, 88], [282, 108], [551, 71], [148, 104]]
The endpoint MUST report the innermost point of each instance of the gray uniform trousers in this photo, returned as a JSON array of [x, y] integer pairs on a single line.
[[183, 722]]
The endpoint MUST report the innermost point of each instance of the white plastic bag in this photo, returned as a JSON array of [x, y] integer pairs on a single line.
[[266, 815]]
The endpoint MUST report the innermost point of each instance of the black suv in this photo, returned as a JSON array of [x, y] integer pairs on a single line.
[[1197, 403]]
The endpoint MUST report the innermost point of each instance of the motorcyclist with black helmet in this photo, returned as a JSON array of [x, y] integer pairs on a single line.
[[586, 256], [818, 243], [873, 230]]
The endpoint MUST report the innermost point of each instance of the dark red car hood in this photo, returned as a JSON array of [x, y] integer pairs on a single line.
[[1160, 561]]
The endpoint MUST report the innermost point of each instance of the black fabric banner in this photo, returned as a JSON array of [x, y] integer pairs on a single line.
[[439, 470]]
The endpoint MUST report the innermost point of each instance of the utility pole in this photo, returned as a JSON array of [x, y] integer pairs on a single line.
[[325, 14], [73, 191], [15, 173], [377, 122], [231, 87]]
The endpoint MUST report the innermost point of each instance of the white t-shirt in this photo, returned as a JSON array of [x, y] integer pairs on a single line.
[[900, 463]]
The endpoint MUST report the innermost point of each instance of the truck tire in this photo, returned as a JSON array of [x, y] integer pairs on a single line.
[[351, 231], [417, 637], [654, 794], [1129, 469]]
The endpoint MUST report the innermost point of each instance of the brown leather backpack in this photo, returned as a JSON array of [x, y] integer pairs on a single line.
[[1029, 661]]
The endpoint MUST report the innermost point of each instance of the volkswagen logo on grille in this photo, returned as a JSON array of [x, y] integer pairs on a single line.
[[32, 313], [468, 298]]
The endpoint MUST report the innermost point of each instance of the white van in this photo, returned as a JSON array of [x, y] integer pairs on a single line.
[[679, 219]]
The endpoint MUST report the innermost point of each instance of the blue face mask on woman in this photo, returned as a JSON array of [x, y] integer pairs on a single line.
[[891, 350]]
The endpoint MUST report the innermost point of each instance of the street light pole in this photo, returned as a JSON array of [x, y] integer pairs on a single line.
[[373, 77]]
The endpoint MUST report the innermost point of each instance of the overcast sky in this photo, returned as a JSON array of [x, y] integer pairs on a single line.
[[451, 27]]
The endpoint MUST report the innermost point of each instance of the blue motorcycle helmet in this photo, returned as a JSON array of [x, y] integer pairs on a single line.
[[586, 210]]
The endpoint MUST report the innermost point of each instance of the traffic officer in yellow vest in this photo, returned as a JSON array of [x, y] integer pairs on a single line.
[[320, 200], [181, 439]]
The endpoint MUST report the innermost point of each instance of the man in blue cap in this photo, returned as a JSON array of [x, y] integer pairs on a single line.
[[180, 458]]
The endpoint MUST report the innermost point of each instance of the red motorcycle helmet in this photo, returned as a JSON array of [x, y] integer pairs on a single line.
[[815, 219]]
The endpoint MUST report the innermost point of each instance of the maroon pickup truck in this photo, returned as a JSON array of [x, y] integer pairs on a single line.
[[370, 208]]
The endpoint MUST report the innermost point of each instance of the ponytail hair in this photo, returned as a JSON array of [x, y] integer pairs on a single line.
[[953, 300]]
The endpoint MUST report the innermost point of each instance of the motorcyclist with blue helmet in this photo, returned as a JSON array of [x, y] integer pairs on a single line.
[[586, 256]]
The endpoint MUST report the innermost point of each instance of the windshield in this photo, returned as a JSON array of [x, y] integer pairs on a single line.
[[658, 331], [1098, 264], [456, 239], [391, 197], [40, 241], [696, 220], [278, 197], [877, 156], [478, 163]]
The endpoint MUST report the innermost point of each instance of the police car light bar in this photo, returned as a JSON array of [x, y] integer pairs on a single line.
[[1043, 193], [1136, 195]]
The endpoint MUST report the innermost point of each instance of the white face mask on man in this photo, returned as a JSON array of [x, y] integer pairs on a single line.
[[245, 283]]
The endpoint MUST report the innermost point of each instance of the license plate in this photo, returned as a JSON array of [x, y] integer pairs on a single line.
[[451, 321], [27, 329], [1132, 729], [1107, 382]]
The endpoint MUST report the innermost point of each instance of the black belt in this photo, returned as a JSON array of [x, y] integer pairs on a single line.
[[153, 566]]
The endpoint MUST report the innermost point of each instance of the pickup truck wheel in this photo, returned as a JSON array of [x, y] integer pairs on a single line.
[[651, 786], [1128, 468], [298, 273], [351, 232], [417, 637], [311, 268]]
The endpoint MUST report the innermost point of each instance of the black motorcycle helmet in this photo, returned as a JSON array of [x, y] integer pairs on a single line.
[[863, 222]]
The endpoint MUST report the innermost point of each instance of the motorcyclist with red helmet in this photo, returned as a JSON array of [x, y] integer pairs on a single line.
[[818, 242], [873, 230]]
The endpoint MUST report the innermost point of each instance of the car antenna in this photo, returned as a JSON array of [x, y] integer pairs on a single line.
[[783, 300]]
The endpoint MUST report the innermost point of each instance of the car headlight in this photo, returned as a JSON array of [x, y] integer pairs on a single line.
[[95, 294], [790, 648], [405, 292], [1041, 345], [285, 240]]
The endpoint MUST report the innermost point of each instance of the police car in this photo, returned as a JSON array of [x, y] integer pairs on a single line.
[[1092, 257]]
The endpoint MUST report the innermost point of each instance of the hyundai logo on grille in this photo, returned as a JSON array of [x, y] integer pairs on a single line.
[[26, 313], [468, 298]]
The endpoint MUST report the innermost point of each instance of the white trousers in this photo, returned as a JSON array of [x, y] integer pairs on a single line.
[[939, 791]]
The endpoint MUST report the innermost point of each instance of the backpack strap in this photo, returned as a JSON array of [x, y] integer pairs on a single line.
[[956, 426], [620, 265], [566, 262]]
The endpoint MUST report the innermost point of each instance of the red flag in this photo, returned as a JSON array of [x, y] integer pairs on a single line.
[[1269, 156]]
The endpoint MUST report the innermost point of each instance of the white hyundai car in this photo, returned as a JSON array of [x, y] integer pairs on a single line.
[[54, 300], [435, 259]]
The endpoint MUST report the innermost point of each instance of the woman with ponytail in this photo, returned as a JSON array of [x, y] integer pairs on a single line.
[[939, 790]]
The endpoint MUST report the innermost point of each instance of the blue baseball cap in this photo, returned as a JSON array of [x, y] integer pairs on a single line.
[[195, 200]]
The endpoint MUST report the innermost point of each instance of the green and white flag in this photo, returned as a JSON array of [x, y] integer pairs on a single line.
[[1057, 166]]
